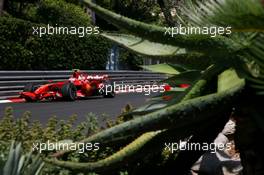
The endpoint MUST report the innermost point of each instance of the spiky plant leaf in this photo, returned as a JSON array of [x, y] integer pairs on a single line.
[[163, 68], [187, 77], [143, 46], [18, 164], [145, 144], [196, 89], [160, 51], [223, 46], [227, 80], [114, 160], [189, 60]]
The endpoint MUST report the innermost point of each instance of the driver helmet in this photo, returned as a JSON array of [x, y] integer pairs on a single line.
[[76, 73]]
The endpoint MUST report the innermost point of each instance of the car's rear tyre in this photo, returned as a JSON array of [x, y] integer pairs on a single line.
[[109, 85], [69, 92]]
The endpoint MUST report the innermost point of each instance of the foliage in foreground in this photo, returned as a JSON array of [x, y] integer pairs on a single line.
[[19, 164], [28, 132], [230, 75]]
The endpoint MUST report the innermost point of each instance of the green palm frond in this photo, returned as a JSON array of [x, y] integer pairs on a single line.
[[242, 16], [247, 20], [253, 67]]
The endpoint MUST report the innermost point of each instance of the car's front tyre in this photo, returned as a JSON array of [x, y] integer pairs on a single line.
[[69, 92]]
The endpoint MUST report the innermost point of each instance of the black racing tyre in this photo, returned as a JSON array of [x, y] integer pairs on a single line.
[[69, 92], [29, 88], [28, 99], [110, 85]]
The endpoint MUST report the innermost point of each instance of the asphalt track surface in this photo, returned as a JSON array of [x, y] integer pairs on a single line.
[[42, 111]]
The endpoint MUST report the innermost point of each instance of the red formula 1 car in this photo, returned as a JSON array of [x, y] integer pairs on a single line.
[[79, 85]]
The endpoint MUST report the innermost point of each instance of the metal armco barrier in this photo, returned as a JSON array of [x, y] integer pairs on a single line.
[[13, 82]]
